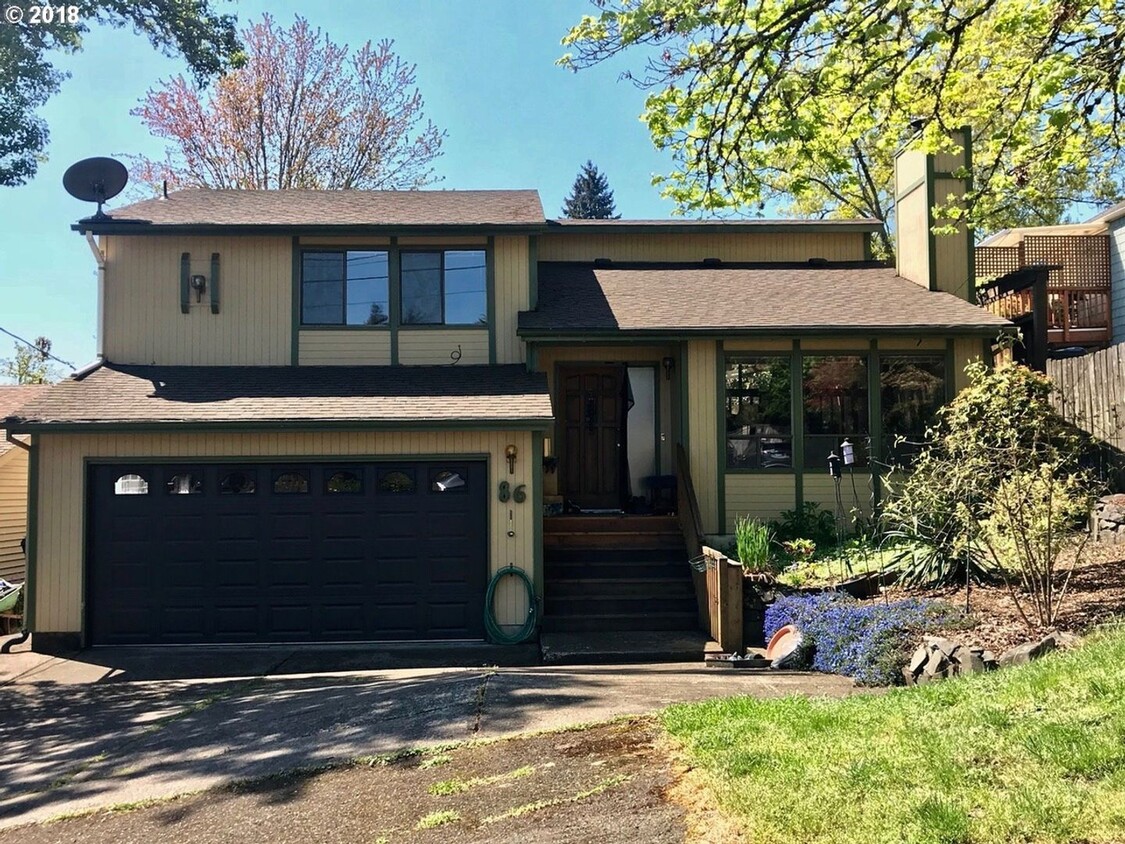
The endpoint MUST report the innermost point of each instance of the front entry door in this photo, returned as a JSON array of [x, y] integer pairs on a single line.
[[593, 436]]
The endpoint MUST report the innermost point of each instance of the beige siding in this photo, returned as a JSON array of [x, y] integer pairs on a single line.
[[703, 429], [59, 567], [549, 358], [143, 322], [819, 487], [784, 246], [760, 496], [952, 250], [835, 344], [912, 344], [13, 513], [361, 242], [344, 347], [440, 346], [443, 242], [765, 344], [912, 250], [512, 277], [965, 350]]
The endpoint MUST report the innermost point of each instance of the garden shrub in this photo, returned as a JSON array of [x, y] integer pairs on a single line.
[[869, 641], [809, 521]]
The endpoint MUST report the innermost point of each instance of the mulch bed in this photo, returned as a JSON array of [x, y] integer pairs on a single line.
[[1096, 595]]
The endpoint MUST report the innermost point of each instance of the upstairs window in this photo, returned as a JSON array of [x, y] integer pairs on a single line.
[[345, 288], [444, 288]]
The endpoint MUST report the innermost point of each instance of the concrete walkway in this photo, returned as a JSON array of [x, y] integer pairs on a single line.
[[80, 734]]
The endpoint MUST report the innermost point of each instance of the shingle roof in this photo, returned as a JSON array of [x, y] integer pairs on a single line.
[[858, 224], [579, 298], [317, 395], [327, 208], [12, 397]]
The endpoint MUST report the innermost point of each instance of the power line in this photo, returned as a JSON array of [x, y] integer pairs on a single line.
[[31, 345]]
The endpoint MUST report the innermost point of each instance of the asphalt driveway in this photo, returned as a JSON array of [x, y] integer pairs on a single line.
[[73, 739]]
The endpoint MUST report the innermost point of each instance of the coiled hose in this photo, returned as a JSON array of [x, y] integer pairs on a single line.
[[495, 632]]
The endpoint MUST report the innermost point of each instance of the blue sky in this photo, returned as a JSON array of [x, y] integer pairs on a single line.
[[485, 69]]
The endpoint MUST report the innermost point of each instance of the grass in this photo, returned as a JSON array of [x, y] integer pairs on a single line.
[[456, 786], [436, 819], [540, 805], [754, 543], [1031, 754]]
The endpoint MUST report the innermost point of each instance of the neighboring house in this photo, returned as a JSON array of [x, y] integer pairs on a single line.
[[13, 484], [333, 416]]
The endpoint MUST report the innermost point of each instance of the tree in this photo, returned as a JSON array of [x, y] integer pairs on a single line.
[[303, 112], [590, 198], [30, 364], [190, 28], [804, 102]]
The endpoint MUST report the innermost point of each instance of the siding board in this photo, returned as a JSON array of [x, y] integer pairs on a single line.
[[13, 513], [438, 346], [740, 246]]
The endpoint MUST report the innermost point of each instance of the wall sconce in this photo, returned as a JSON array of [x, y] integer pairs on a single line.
[[199, 284], [669, 366], [849, 452], [510, 452]]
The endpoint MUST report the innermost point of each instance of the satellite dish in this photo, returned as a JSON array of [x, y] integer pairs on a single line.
[[95, 180]]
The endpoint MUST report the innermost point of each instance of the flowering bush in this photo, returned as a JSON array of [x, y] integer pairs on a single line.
[[867, 641]]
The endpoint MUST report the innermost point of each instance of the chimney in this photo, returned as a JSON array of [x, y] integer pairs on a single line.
[[922, 181]]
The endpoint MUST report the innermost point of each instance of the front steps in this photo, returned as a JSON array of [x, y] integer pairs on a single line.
[[616, 573]]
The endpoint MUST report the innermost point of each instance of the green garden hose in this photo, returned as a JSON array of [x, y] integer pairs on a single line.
[[495, 631]]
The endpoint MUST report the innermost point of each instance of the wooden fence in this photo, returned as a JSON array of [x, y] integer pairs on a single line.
[[1092, 393]]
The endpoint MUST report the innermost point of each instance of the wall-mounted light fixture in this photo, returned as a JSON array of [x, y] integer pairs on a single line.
[[669, 367], [510, 452], [199, 284]]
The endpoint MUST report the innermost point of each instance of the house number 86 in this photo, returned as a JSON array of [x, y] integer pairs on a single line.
[[518, 495]]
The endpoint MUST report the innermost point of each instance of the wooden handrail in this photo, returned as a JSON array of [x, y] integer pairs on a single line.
[[687, 504]]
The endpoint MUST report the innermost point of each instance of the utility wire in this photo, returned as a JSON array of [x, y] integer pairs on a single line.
[[31, 345]]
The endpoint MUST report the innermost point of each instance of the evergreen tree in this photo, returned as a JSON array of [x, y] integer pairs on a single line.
[[590, 198]]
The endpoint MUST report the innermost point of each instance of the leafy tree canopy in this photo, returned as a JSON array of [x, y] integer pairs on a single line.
[[30, 364], [190, 28], [590, 198], [302, 112], [805, 101]]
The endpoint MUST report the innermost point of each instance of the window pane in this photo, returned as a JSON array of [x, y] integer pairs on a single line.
[[835, 393], [421, 288], [759, 418], [322, 288], [912, 388], [466, 297], [368, 301]]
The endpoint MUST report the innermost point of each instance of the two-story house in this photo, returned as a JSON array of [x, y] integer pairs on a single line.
[[330, 416]]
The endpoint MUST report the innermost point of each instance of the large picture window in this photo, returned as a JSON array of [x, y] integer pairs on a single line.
[[836, 407], [344, 288], [759, 421], [912, 388], [444, 288]]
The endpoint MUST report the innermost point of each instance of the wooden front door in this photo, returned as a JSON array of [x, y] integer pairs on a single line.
[[593, 435]]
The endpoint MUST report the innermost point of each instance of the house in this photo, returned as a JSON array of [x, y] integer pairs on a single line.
[[323, 416], [13, 485]]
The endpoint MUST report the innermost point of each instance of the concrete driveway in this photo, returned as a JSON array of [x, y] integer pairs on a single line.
[[91, 732]]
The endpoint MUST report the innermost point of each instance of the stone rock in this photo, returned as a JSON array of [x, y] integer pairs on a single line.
[[970, 661], [946, 646], [918, 660], [1112, 513], [1066, 641], [1115, 500], [1025, 653], [1106, 525]]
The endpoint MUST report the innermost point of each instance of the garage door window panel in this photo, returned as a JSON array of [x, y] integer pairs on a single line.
[[291, 483]]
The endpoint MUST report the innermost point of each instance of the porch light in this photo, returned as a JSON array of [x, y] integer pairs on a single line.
[[849, 452], [199, 284], [510, 452], [669, 365]]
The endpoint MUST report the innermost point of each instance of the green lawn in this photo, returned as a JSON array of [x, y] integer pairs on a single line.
[[1032, 754]]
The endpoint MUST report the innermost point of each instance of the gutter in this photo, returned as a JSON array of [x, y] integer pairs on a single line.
[[99, 257]]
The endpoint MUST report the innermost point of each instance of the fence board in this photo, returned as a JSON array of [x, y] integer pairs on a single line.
[[1091, 393]]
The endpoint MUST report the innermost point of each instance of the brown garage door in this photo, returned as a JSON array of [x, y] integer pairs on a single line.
[[294, 552]]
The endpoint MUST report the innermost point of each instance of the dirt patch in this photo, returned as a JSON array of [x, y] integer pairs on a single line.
[[603, 784], [1096, 595]]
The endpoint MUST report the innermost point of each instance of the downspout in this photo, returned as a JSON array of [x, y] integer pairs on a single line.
[[99, 256], [10, 438]]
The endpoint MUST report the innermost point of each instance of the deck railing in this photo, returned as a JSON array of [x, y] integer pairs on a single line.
[[1078, 284]]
